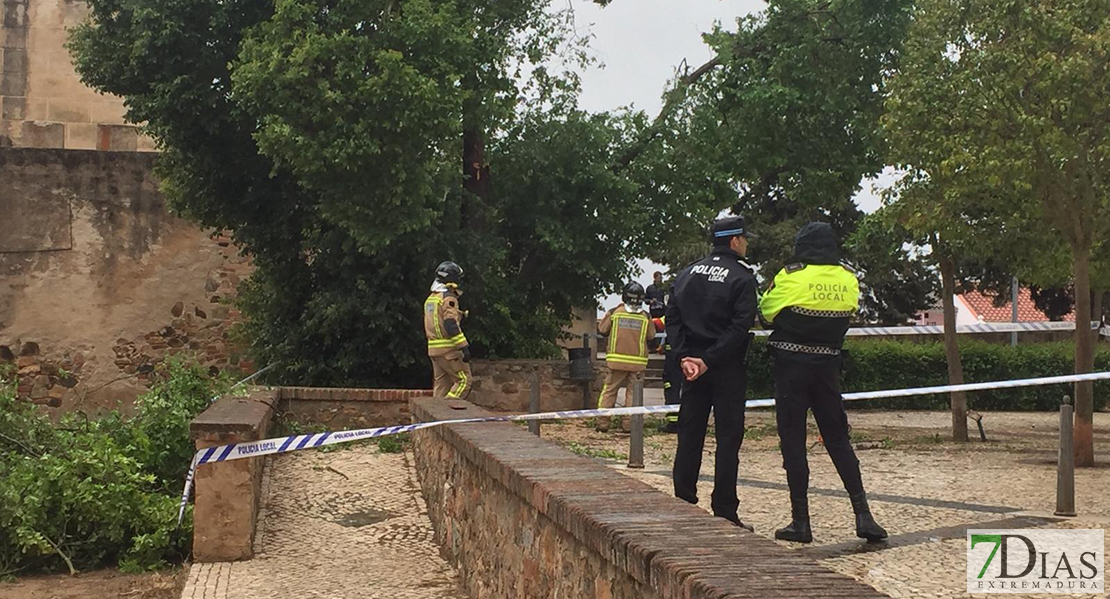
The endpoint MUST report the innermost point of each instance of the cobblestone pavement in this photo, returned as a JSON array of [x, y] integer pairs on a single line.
[[925, 491], [348, 524]]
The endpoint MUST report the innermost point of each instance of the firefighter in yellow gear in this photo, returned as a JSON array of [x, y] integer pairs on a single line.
[[447, 346], [630, 331]]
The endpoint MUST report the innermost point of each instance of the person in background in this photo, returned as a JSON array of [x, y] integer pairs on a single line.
[[656, 293], [709, 316], [626, 354], [809, 305]]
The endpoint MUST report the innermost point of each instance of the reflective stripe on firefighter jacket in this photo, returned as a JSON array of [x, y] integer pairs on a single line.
[[629, 333], [441, 324]]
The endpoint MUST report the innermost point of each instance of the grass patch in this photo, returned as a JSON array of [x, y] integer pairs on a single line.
[[605, 454], [393, 443], [759, 431]]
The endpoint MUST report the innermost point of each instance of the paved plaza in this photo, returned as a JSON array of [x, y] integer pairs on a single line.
[[926, 493], [352, 523]]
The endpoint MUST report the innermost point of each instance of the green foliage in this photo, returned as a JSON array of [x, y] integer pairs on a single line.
[[896, 280], [393, 443], [878, 365], [92, 492], [593, 452], [788, 121]]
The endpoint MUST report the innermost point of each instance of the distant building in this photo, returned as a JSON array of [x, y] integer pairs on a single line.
[[975, 307]]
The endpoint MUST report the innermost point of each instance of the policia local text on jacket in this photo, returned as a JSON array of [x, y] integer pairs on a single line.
[[447, 346], [711, 310], [626, 353], [809, 306]]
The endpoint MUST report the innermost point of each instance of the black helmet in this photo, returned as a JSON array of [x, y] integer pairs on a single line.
[[633, 293], [449, 273]]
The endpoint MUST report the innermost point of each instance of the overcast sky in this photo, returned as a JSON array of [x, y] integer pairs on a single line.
[[640, 43]]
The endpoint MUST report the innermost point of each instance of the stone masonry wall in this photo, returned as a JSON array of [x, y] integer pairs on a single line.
[[99, 283], [340, 409], [43, 103], [521, 517], [505, 385]]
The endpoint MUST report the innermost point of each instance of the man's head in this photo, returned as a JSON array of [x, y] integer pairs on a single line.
[[657, 277], [731, 232], [816, 243]]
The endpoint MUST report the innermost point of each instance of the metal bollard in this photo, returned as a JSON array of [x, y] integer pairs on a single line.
[[534, 403], [1065, 466], [636, 441]]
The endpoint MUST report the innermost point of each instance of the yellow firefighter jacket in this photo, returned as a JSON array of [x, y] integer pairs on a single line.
[[441, 324], [629, 333]]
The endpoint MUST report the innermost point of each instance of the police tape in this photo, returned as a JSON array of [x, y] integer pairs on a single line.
[[936, 329], [252, 449]]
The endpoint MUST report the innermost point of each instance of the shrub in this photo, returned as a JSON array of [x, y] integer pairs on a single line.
[[875, 365], [90, 492]]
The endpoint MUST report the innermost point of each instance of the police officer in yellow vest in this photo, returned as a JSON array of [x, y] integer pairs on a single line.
[[809, 306], [447, 346], [626, 354]]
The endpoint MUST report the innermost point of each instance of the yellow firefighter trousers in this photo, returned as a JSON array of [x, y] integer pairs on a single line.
[[451, 376], [613, 382]]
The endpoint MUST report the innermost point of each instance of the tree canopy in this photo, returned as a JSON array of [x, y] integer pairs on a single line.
[[351, 145]]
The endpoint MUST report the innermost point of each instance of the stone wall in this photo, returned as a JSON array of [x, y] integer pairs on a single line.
[[43, 102], [505, 385], [341, 409], [228, 493], [99, 282], [522, 517]]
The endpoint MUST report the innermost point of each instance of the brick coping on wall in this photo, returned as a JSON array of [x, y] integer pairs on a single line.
[[668, 545], [351, 394]]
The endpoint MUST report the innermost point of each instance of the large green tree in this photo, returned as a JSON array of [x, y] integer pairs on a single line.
[[780, 126], [1005, 104], [351, 145]]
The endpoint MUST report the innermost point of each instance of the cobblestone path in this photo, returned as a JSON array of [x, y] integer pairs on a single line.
[[348, 524]]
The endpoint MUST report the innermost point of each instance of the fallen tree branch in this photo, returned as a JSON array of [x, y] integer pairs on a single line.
[[19, 444]]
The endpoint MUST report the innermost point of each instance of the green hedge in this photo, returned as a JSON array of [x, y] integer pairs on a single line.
[[876, 365]]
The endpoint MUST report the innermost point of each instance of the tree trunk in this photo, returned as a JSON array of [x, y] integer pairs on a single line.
[[477, 180], [952, 349], [1084, 360]]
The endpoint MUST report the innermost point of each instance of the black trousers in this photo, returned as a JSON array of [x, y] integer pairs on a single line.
[[672, 382], [722, 390], [811, 382]]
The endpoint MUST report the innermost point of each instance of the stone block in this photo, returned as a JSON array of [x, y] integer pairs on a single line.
[[43, 134], [13, 108], [36, 109], [81, 136], [66, 110], [118, 138], [14, 61]]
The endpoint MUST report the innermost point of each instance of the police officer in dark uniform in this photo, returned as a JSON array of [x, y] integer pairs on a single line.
[[710, 313], [809, 305]]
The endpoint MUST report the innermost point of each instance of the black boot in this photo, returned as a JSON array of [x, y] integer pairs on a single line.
[[866, 527], [798, 531]]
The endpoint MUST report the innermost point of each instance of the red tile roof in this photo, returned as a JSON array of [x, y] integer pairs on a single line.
[[982, 306]]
